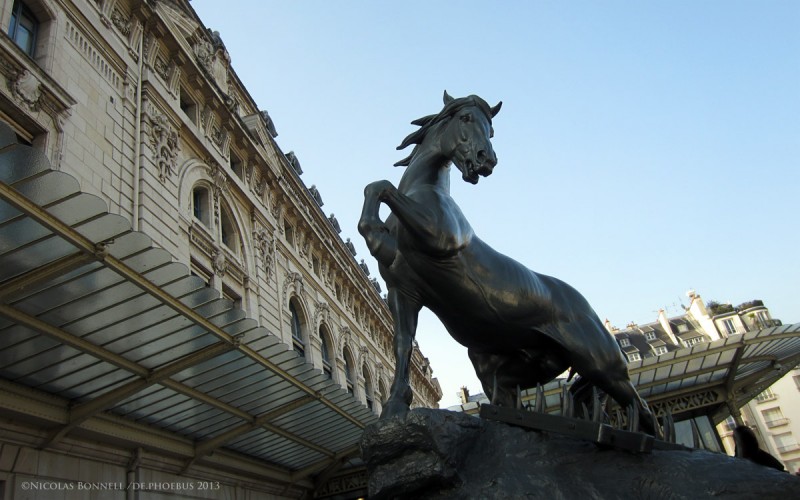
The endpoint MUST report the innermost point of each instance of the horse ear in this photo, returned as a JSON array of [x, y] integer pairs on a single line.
[[496, 108], [447, 98]]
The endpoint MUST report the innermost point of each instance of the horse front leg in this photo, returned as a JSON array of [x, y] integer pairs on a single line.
[[430, 230], [405, 313], [381, 244]]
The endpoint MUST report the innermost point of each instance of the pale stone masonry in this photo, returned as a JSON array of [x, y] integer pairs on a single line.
[[138, 100]]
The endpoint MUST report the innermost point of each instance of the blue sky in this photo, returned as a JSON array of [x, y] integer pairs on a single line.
[[645, 148]]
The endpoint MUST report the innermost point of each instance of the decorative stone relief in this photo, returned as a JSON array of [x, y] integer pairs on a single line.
[[25, 88], [345, 336], [121, 22], [250, 172], [260, 185], [211, 54], [363, 351], [205, 116], [219, 262], [322, 313], [218, 178], [295, 281], [266, 251], [232, 103], [164, 141], [161, 67], [275, 207]]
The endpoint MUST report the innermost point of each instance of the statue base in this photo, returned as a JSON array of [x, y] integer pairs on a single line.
[[443, 454]]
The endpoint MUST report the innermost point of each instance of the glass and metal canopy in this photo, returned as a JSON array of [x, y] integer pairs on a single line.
[[104, 336], [711, 378]]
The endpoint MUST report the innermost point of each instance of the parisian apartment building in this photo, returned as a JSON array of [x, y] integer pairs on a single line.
[[137, 103], [774, 414]]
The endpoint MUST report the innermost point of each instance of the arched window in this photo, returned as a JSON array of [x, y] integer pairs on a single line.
[[200, 205], [23, 28], [327, 365], [227, 231], [368, 390], [297, 331], [349, 372]]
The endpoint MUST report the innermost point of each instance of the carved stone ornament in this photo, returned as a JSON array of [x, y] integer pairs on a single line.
[[204, 53], [322, 313], [26, 88], [345, 335], [164, 141], [363, 351], [260, 185], [266, 250], [161, 67], [122, 23], [295, 281], [211, 54], [218, 177], [219, 262]]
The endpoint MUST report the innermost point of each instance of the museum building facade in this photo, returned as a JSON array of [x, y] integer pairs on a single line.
[[138, 102]]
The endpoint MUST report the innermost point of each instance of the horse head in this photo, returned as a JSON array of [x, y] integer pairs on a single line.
[[462, 132]]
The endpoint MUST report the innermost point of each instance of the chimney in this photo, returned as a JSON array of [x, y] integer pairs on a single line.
[[464, 395], [697, 310], [664, 322]]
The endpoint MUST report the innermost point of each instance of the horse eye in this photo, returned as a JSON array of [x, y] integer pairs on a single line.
[[466, 118]]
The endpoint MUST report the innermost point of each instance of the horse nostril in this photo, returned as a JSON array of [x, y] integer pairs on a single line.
[[482, 156]]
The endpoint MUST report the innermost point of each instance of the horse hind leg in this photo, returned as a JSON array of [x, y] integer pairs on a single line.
[[487, 368]]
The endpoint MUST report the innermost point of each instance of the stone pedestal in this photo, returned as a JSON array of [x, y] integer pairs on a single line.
[[442, 454]]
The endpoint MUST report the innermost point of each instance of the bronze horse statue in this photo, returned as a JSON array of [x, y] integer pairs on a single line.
[[521, 328]]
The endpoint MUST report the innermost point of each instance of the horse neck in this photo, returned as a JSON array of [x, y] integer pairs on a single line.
[[428, 167]]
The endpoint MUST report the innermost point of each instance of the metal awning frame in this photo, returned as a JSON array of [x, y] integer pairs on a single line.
[[729, 391], [79, 414]]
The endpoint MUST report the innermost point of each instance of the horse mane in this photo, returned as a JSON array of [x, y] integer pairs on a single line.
[[427, 122]]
